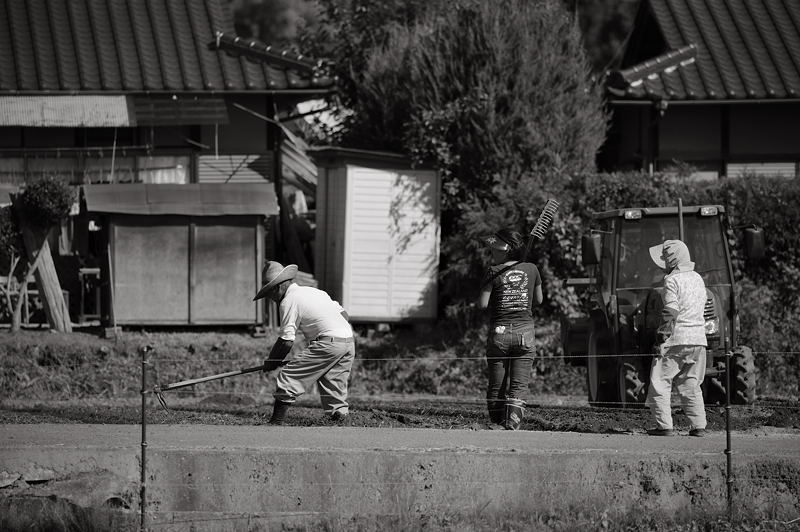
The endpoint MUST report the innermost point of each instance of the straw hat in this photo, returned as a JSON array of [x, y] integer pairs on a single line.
[[273, 274]]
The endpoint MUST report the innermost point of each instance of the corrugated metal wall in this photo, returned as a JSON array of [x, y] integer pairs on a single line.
[[235, 168]]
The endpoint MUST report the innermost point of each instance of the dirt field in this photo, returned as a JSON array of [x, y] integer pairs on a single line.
[[553, 413]]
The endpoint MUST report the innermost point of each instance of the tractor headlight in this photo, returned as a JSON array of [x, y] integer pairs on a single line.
[[712, 326]]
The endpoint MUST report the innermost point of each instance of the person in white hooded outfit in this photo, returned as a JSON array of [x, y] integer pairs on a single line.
[[681, 357]]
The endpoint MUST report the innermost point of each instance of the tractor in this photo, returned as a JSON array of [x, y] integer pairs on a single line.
[[616, 338]]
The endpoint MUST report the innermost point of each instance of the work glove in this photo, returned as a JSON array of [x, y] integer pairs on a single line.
[[271, 365]]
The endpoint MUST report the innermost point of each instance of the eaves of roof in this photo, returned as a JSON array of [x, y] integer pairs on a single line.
[[134, 47]]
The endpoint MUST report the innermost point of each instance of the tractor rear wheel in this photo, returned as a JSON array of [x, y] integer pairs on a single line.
[[744, 376], [743, 370], [600, 373], [633, 383]]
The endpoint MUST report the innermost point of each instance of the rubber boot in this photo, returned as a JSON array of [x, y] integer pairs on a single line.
[[496, 411], [515, 412], [279, 412]]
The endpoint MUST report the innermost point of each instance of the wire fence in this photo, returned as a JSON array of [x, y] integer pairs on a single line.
[[438, 406]]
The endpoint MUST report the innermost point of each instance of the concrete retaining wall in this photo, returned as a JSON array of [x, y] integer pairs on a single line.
[[220, 478]]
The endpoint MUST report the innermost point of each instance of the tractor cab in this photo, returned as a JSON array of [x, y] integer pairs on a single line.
[[616, 336]]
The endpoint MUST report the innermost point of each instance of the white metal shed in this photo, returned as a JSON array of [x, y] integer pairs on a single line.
[[377, 234]]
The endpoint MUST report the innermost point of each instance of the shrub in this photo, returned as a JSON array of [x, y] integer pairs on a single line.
[[501, 106], [10, 237], [46, 201]]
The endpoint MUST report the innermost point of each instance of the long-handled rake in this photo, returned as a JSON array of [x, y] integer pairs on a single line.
[[158, 390]]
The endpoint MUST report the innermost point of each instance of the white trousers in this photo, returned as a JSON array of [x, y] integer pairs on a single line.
[[326, 362], [683, 366]]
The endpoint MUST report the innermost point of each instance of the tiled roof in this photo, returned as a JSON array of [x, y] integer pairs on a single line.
[[132, 46], [746, 49]]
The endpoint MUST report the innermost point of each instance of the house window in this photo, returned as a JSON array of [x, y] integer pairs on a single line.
[[101, 170], [12, 170], [95, 167], [66, 168], [19, 170], [163, 169], [783, 169]]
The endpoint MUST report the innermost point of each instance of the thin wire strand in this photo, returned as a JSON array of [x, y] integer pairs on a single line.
[[481, 401], [540, 358]]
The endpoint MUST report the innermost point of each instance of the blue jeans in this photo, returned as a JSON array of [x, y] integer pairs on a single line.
[[509, 357]]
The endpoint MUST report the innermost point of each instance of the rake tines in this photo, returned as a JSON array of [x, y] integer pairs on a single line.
[[545, 219]]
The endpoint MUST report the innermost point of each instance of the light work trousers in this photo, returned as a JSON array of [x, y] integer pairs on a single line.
[[682, 366], [326, 362]]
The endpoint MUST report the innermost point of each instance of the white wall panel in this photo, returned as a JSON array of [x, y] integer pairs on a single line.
[[385, 266]]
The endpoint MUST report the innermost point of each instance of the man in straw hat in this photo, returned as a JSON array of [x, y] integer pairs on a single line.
[[681, 359], [328, 358]]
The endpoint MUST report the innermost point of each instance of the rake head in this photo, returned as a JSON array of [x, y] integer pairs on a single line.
[[160, 396], [545, 219]]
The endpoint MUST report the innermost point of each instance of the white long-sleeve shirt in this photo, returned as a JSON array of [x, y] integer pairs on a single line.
[[685, 292], [313, 312]]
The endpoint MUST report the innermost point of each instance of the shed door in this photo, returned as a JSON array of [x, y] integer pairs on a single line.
[[224, 270], [150, 273]]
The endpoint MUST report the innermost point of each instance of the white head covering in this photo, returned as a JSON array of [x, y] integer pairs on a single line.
[[672, 254]]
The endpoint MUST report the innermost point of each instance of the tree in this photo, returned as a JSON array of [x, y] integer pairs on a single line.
[[11, 249], [495, 95], [23, 232], [605, 26], [277, 22], [346, 32]]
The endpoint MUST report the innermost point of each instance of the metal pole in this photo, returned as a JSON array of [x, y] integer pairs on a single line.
[[729, 464], [143, 464]]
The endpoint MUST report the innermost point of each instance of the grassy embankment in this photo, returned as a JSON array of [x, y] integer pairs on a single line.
[[40, 365]]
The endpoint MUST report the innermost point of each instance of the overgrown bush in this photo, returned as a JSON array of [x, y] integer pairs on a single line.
[[11, 245], [46, 201], [502, 106]]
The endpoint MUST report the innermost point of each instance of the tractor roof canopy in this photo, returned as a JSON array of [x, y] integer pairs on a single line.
[[658, 211]]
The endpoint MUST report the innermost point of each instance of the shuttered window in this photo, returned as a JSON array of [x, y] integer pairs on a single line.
[[253, 168], [782, 169]]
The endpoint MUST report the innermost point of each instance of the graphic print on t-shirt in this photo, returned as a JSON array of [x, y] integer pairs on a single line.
[[513, 291]]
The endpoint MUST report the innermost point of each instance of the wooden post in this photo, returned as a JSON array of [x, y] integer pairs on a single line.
[[37, 249]]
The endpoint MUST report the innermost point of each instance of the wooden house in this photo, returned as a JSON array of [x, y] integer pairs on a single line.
[[149, 94], [731, 108]]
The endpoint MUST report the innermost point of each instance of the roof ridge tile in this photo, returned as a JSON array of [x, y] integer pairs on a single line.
[[747, 49]]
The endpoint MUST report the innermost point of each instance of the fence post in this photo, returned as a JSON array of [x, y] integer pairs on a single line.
[[143, 464], [728, 452]]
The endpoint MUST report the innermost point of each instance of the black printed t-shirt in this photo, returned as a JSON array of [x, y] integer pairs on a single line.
[[512, 292]]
